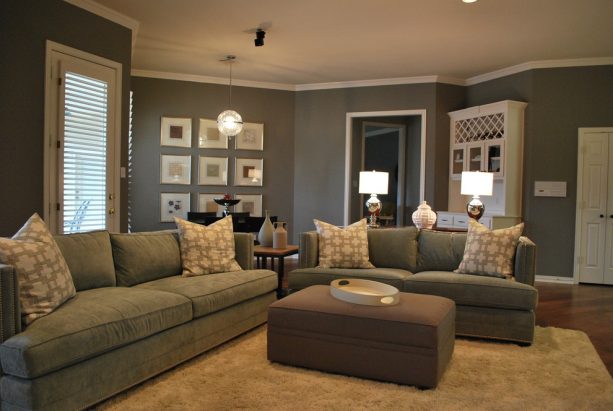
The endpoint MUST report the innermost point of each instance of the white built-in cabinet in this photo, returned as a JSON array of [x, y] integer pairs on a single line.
[[488, 138]]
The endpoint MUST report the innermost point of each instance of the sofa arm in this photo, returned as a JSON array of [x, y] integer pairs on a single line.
[[309, 249], [243, 248], [10, 312], [525, 261]]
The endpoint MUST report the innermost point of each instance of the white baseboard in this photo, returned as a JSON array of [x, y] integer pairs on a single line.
[[552, 279]]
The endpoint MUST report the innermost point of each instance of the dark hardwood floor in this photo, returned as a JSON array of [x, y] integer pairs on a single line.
[[588, 308]]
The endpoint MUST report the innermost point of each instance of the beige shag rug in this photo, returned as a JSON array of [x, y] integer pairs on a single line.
[[560, 371]]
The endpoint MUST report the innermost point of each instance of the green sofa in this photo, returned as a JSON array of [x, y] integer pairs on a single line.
[[133, 317], [422, 262]]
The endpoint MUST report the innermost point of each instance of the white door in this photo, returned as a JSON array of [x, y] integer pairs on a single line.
[[595, 208], [82, 156]]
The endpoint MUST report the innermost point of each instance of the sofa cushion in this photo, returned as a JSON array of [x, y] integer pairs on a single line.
[[440, 251], [343, 247], [490, 252], [305, 277], [207, 249], [214, 292], [393, 248], [89, 257], [474, 290], [142, 257], [44, 278], [93, 322]]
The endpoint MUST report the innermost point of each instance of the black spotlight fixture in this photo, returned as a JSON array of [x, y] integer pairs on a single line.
[[259, 37]]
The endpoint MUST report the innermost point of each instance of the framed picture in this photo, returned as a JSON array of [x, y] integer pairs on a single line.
[[249, 172], [213, 171], [175, 169], [174, 205], [176, 132], [209, 135], [251, 137], [206, 203], [251, 203]]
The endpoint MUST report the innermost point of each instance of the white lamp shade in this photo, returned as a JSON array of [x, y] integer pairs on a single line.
[[229, 123], [477, 183], [373, 182]]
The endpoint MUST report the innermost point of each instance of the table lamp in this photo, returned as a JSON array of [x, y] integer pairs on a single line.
[[476, 183], [373, 183]]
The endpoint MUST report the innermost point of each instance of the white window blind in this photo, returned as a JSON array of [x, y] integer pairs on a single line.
[[84, 153]]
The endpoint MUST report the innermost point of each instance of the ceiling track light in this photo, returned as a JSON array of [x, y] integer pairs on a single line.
[[259, 37]]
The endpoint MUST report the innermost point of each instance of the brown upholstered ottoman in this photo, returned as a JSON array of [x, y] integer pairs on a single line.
[[408, 343]]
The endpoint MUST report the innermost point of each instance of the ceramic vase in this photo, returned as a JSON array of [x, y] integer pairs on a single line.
[[424, 217], [279, 236], [266, 232]]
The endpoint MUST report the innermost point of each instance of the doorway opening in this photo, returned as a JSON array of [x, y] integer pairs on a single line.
[[392, 141]]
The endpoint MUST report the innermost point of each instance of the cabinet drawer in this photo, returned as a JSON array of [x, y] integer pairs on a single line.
[[444, 220], [460, 221]]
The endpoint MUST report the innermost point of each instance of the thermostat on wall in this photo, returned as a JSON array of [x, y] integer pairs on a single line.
[[550, 188]]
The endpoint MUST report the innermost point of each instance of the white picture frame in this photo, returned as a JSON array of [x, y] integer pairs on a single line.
[[176, 132], [207, 204], [251, 137], [251, 203], [175, 169], [174, 205], [209, 135], [249, 172], [213, 171]]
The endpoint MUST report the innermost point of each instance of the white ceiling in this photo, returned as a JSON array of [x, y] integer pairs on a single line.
[[321, 41]]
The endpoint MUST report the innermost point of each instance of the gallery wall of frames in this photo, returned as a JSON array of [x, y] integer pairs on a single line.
[[226, 163]]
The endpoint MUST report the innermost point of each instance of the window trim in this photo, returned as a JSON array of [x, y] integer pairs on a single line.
[[50, 138]]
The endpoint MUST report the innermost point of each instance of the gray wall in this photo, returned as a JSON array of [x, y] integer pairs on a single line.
[[559, 102], [319, 158], [154, 98], [25, 25]]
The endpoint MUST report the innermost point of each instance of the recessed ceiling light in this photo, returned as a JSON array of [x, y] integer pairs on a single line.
[[469, 1]]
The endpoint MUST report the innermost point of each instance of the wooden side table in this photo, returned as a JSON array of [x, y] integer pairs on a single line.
[[263, 253]]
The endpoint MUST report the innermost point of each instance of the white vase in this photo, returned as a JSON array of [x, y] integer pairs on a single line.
[[266, 231], [279, 236], [424, 217]]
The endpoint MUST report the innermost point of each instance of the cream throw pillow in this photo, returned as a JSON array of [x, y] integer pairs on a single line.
[[490, 253], [44, 278], [207, 249], [343, 247]]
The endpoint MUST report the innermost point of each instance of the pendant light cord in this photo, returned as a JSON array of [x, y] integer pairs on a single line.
[[230, 96]]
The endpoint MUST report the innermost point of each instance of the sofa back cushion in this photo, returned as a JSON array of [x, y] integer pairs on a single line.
[[393, 248], [142, 257], [89, 258], [440, 251]]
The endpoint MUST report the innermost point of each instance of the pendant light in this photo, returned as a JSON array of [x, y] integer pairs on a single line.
[[229, 122]]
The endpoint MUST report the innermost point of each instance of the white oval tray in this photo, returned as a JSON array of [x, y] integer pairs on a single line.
[[364, 292]]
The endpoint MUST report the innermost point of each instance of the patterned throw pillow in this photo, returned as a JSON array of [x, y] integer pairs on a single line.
[[490, 253], [343, 247], [44, 278], [207, 249]]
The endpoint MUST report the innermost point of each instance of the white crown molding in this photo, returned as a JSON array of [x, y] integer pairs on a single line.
[[209, 79], [380, 82], [539, 64], [109, 14]]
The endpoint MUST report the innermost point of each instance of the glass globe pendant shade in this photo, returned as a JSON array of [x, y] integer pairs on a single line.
[[229, 123]]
